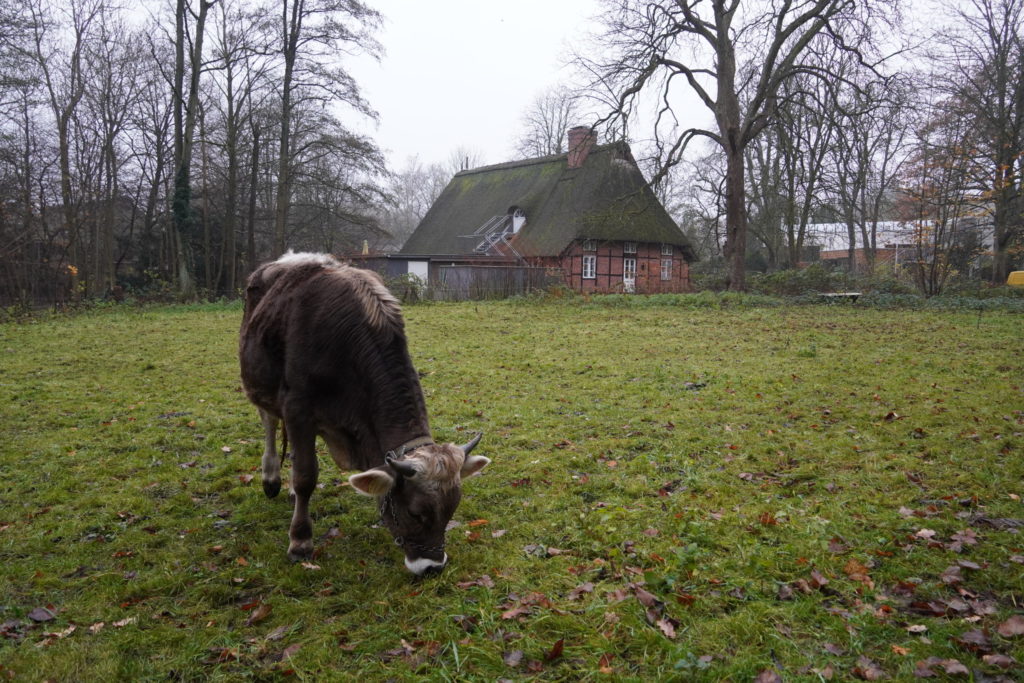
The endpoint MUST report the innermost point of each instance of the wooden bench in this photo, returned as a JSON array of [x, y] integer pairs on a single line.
[[840, 296]]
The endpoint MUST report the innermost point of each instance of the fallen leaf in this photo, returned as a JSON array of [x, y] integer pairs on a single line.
[[513, 658], [1012, 627], [975, 641], [951, 575], [768, 519], [515, 613], [259, 614], [817, 579], [291, 650], [556, 651], [646, 598], [310, 566], [97, 627], [484, 581], [768, 676], [279, 633], [41, 615], [869, 670], [580, 590], [667, 626], [125, 622]]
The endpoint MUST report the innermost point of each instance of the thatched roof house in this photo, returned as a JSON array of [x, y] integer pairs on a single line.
[[589, 212]]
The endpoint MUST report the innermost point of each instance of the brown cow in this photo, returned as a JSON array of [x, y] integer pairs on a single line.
[[322, 348]]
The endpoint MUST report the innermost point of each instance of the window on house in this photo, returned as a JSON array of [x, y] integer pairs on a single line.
[[629, 248], [589, 245], [589, 267], [666, 268], [666, 250]]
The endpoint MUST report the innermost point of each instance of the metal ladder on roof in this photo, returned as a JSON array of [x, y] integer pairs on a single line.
[[496, 230]]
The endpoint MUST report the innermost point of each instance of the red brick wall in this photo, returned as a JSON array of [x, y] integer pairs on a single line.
[[609, 269]]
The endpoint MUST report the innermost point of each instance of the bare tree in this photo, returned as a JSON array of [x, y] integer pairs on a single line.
[[314, 34], [463, 158], [871, 147], [412, 191], [189, 34], [938, 201], [58, 48], [734, 56], [239, 72], [984, 79], [545, 122], [111, 98]]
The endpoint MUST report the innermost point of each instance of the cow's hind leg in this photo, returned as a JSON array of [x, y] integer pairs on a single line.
[[271, 460], [304, 475]]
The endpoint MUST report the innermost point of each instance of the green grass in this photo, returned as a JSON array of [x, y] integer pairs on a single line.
[[670, 489]]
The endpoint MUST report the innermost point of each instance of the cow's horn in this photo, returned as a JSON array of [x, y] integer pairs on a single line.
[[403, 467], [467, 448]]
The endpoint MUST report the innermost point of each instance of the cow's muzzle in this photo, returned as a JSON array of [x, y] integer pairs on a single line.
[[424, 566], [422, 560]]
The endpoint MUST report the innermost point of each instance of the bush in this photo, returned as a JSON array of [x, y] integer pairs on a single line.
[[407, 287], [812, 279]]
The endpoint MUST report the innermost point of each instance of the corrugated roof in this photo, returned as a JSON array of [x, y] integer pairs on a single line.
[[606, 199]]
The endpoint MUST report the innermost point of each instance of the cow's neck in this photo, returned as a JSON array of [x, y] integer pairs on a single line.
[[399, 413]]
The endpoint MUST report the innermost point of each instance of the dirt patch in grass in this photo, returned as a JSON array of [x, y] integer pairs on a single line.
[[706, 494]]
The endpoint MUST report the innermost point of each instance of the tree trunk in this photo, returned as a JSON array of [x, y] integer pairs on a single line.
[[254, 173], [735, 219]]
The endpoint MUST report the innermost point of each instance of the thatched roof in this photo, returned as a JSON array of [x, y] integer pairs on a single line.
[[606, 199]]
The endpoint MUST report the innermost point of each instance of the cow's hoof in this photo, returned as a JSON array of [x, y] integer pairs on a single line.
[[272, 488], [299, 552]]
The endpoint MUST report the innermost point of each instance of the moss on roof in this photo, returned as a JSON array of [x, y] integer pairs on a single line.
[[606, 199]]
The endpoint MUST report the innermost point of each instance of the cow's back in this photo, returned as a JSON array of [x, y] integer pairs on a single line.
[[306, 316]]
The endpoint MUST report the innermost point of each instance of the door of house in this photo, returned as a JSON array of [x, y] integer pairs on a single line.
[[629, 275]]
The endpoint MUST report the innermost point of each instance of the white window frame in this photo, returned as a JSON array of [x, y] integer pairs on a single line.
[[590, 266], [589, 245], [629, 247], [666, 269], [666, 250]]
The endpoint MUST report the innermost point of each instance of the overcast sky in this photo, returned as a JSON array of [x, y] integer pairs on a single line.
[[460, 73]]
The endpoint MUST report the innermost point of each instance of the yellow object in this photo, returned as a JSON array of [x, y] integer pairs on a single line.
[[1016, 279]]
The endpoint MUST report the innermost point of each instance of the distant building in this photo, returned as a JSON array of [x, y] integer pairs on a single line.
[[897, 242], [588, 218]]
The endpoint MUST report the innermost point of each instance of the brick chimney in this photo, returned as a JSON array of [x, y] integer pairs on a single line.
[[581, 141]]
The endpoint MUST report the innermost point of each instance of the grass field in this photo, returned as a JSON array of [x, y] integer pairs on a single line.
[[797, 493]]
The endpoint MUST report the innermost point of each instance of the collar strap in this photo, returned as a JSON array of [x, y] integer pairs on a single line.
[[409, 446]]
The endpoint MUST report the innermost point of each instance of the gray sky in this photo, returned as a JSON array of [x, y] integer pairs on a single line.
[[460, 73]]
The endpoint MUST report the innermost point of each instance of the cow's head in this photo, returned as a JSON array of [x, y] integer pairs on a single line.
[[417, 495]]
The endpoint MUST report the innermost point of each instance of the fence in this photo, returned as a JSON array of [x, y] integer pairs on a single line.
[[462, 282]]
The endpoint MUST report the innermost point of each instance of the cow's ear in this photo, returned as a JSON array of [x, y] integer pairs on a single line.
[[472, 465], [372, 482]]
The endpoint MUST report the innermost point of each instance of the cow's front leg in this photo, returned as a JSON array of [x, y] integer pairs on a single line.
[[304, 475], [271, 460]]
